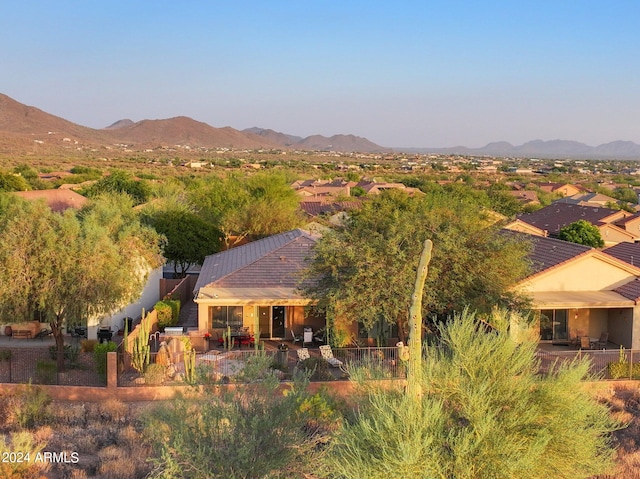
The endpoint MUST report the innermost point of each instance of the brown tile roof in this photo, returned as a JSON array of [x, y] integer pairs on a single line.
[[58, 200], [272, 262], [553, 217], [627, 252], [631, 290], [550, 252], [622, 222], [315, 208]]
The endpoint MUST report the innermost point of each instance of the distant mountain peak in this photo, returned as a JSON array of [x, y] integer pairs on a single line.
[[120, 124]]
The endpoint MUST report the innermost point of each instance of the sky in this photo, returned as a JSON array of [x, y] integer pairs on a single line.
[[401, 74]]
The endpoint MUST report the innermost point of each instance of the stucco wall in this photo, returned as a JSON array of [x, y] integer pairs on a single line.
[[621, 326], [586, 274]]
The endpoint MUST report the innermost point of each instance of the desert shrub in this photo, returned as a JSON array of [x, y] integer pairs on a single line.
[[620, 368], [22, 444], [100, 351], [483, 412], [28, 408], [317, 368], [88, 345], [246, 433], [154, 374], [168, 313], [5, 354], [70, 352], [46, 372]]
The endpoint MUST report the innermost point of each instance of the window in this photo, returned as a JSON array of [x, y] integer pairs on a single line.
[[223, 316]]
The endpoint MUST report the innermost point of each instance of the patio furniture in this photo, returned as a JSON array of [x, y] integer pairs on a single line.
[[307, 336], [602, 342], [104, 334], [327, 355], [585, 342], [295, 338], [303, 353], [43, 333]]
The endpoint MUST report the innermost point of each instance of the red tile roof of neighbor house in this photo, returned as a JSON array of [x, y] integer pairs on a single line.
[[548, 252], [58, 200], [631, 290], [275, 261], [627, 252], [315, 208], [553, 217]]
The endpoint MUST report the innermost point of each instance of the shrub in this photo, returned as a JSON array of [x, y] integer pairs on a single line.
[[100, 351], [5, 354], [28, 407], [168, 312], [154, 374], [21, 445], [46, 371], [87, 345], [69, 352], [317, 368]]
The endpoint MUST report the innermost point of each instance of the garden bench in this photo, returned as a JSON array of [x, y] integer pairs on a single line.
[[21, 333]]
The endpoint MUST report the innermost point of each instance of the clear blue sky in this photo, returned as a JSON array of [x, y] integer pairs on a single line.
[[403, 73]]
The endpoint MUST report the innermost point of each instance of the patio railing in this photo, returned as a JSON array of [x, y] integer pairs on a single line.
[[605, 364]]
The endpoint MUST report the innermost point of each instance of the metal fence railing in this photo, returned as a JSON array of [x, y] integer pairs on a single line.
[[40, 366], [605, 364]]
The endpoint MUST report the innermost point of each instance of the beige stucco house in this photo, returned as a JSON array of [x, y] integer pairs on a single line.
[[581, 291], [255, 286]]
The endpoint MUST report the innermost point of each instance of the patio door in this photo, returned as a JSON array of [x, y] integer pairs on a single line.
[[553, 325], [272, 320]]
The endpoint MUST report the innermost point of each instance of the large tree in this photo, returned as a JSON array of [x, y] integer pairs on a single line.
[[72, 267], [582, 232], [189, 238], [365, 271], [256, 206]]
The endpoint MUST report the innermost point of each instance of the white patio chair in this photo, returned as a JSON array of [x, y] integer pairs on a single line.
[[327, 355], [295, 338], [303, 353]]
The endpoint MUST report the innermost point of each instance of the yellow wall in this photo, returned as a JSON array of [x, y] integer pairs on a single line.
[[585, 274]]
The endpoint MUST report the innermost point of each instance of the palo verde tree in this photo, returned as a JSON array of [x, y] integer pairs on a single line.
[[73, 266], [484, 413], [582, 232], [366, 271]]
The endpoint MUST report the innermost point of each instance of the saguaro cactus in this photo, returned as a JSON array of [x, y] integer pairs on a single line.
[[414, 373], [190, 366]]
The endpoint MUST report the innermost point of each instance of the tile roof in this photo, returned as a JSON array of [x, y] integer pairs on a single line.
[[275, 261], [58, 200], [624, 221], [627, 252], [550, 252], [315, 208], [553, 217]]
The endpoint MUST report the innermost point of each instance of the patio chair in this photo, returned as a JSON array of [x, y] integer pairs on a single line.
[[585, 342], [327, 355], [295, 338], [303, 353], [602, 342]]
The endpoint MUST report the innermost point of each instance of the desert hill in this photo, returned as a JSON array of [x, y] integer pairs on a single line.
[[346, 143]]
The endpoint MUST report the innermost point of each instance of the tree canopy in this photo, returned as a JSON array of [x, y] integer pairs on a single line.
[[582, 232], [72, 266], [120, 181], [365, 271]]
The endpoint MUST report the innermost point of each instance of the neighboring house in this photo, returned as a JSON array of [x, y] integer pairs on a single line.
[[58, 200], [580, 291], [255, 286], [322, 190], [588, 199], [565, 189], [334, 213], [525, 197], [551, 219], [374, 187]]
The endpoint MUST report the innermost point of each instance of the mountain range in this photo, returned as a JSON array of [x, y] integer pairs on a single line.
[[22, 125]]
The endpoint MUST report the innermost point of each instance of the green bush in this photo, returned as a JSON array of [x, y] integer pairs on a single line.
[[620, 370], [5, 354], [168, 312], [154, 374], [318, 369], [100, 351], [46, 372]]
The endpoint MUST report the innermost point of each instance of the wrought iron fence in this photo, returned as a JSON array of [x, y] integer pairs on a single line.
[[605, 364], [40, 366]]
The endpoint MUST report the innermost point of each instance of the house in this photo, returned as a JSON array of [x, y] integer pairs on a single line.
[[57, 199], [255, 286], [525, 197], [582, 291], [564, 189], [588, 199], [551, 219]]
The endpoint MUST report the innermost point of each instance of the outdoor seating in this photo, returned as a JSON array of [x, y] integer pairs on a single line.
[[295, 338], [43, 333], [602, 342], [303, 353], [327, 355], [585, 342]]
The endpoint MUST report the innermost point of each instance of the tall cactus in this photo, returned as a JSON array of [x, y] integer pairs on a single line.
[[414, 373], [140, 353], [190, 366]]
